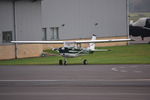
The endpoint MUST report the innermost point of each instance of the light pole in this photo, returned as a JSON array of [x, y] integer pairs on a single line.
[[14, 21]]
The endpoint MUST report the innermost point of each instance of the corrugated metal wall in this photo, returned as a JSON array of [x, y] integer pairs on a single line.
[[28, 20], [82, 18], [23, 18], [72, 19], [6, 17]]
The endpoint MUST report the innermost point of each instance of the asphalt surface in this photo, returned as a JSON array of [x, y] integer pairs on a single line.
[[75, 82], [138, 40]]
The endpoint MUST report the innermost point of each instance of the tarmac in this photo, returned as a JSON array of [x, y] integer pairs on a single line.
[[75, 82], [138, 40]]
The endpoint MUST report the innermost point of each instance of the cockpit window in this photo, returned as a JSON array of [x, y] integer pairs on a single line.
[[69, 44], [147, 23], [141, 22]]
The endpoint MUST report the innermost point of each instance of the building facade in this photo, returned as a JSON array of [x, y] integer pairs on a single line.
[[30, 20], [62, 19], [20, 20], [75, 19]]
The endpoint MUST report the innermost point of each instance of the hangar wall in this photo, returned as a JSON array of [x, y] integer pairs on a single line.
[[22, 17], [72, 19], [81, 18], [6, 18], [7, 52], [28, 20], [23, 51]]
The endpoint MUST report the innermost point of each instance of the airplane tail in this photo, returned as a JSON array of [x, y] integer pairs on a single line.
[[92, 45]]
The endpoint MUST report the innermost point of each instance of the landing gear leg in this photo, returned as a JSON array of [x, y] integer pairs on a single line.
[[85, 62], [65, 62]]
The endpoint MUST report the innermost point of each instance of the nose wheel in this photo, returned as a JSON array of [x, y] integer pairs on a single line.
[[62, 62], [85, 62]]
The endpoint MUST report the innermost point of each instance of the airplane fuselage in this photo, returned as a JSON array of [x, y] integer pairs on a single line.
[[73, 52]]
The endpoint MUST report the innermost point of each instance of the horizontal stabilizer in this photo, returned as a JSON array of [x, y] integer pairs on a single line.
[[101, 50]]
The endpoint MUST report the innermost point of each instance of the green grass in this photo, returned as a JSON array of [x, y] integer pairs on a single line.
[[132, 54], [136, 16]]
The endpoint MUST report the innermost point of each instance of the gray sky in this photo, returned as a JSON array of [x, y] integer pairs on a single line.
[[139, 5]]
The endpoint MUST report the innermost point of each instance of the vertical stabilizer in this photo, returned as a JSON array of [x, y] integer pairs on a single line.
[[92, 45]]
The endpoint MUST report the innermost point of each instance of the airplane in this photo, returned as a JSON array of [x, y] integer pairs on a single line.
[[140, 28], [72, 49]]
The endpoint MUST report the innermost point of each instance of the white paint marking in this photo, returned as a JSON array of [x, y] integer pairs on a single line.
[[133, 66], [114, 69], [30, 80], [136, 71], [79, 94]]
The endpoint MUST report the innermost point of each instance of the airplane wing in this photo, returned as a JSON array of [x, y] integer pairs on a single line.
[[62, 42], [102, 41], [38, 42]]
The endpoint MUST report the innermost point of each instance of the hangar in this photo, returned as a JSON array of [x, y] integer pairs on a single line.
[[58, 20], [70, 19]]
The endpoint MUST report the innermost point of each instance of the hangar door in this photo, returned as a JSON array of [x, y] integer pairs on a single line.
[[54, 33]]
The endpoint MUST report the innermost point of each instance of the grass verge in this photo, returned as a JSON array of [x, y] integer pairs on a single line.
[[132, 54]]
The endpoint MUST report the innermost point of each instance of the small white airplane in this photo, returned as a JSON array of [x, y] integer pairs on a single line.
[[73, 48]]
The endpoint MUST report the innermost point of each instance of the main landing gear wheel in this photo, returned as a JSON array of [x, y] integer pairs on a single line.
[[85, 62], [65, 62]]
